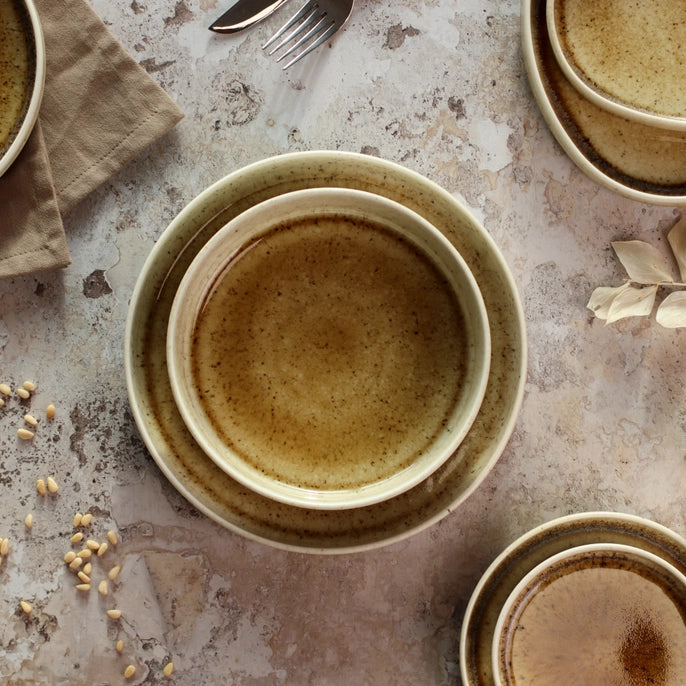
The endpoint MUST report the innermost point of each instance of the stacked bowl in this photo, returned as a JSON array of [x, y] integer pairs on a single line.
[[325, 352], [608, 78]]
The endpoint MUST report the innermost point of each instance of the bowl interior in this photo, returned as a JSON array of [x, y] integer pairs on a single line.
[[311, 355]]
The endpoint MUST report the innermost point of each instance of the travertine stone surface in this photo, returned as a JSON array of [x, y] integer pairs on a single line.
[[436, 86]]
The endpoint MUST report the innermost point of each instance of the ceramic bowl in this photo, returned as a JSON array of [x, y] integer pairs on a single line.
[[20, 16], [602, 612], [286, 421], [626, 58]]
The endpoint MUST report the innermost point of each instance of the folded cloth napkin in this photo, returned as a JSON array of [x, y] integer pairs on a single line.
[[99, 110]]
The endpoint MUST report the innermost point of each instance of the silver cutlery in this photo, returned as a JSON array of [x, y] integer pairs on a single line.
[[318, 19], [244, 13]]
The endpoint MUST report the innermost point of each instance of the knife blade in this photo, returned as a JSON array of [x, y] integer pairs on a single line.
[[244, 13]]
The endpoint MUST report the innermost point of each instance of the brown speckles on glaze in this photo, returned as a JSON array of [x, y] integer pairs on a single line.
[[95, 285], [396, 34], [182, 15]]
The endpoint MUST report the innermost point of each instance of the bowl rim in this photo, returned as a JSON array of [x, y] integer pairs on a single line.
[[188, 299], [31, 115]]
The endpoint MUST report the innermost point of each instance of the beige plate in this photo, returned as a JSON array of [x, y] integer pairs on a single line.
[[519, 558], [198, 478], [638, 161], [29, 113]]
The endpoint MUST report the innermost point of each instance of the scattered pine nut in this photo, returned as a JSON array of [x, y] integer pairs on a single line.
[[102, 549], [77, 519], [119, 646], [129, 672], [29, 386], [77, 537], [83, 587], [87, 567], [86, 552], [40, 487], [168, 669], [114, 614], [114, 572], [26, 607], [112, 537], [4, 546], [102, 587], [50, 411], [30, 419], [25, 434], [2, 403], [84, 577], [69, 557], [52, 485], [75, 563], [23, 393], [93, 545], [28, 521], [86, 519], [5, 389]]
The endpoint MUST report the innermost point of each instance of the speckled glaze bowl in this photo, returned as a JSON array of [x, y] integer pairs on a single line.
[[535, 547], [227, 501], [341, 364], [33, 82], [599, 613], [625, 57]]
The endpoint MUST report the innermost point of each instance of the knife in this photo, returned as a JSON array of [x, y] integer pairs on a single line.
[[245, 13]]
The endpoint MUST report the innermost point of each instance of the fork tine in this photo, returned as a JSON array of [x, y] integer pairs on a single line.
[[320, 26], [307, 8], [296, 31], [327, 34]]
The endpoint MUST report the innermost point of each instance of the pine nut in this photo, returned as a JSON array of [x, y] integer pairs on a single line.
[[87, 567], [114, 572], [23, 393], [93, 545], [4, 546], [77, 519], [102, 549], [84, 577], [30, 419], [168, 669], [25, 434], [5, 389], [119, 646], [40, 486], [75, 563], [50, 411], [102, 587], [26, 607], [86, 519], [52, 485], [112, 537], [129, 672], [69, 557], [77, 537], [28, 521], [86, 552], [29, 386], [114, 614], [83, 587], [2, 403]]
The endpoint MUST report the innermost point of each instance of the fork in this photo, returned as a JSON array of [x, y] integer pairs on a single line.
[[322, 17]]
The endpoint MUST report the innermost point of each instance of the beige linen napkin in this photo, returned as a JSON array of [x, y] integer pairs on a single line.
[[99, 110]]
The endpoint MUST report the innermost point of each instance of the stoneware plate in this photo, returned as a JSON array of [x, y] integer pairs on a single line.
[[23, 108], [198, 478], [528, 551], [635, 160]]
